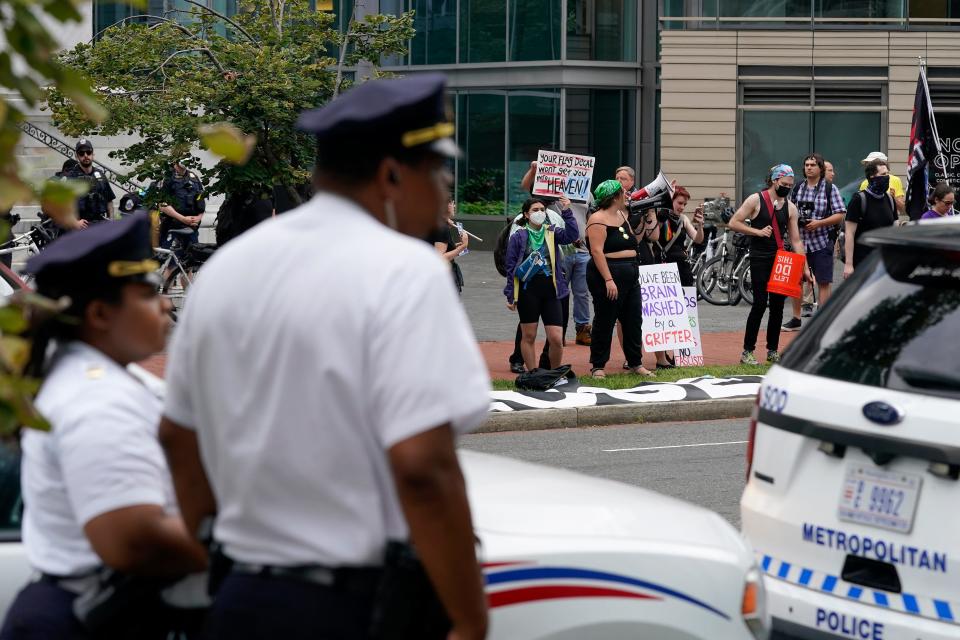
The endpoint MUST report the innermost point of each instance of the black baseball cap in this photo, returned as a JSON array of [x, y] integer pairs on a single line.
[[83, 143]]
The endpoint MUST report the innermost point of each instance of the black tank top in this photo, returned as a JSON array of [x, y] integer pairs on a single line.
[[618, 238], [761, 247]]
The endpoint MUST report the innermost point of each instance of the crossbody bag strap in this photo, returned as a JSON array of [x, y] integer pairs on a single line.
[[773, 218], [676, 235]]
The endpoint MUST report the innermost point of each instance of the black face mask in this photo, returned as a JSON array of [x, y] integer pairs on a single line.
[[782, 190], [879, 184]]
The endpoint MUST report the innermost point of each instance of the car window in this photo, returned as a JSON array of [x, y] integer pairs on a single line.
[[894, 325], [11, 506]]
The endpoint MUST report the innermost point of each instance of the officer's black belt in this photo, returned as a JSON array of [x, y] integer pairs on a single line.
[[359, 580]]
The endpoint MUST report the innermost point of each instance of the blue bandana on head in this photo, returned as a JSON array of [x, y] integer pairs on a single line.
[[781, 171]]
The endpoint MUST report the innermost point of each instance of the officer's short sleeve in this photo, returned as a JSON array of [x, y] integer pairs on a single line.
[[110, 460], [108, 193], [424, 363], [179, 402]]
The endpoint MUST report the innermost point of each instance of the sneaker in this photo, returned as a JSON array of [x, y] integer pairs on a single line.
[[583, 334], [517, 367], [792, 325], [807, 311], [773, 357], [747, 357]]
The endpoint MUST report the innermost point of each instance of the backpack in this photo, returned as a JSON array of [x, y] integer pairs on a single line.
[[544, 379], [500, 249], [863, 204]]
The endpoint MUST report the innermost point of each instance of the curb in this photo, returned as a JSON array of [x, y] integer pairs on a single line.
[[638, 413]]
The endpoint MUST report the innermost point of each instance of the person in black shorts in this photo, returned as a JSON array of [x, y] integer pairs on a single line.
[[535, 282]]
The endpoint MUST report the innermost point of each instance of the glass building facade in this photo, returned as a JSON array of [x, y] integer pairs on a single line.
[[528, 75]]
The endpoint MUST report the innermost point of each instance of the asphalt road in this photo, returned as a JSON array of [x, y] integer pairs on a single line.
[[700, 462]]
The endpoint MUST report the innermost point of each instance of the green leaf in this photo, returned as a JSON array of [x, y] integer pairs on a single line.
[[13, 190], [14, 352], [12, 320], [227, 141], [58, 199]]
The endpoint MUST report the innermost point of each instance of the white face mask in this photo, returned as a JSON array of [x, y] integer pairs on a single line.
[[538, 217]]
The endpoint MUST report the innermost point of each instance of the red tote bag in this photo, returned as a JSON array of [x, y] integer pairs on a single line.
[[787, 273]]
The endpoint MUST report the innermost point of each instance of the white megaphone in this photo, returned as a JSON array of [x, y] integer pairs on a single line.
[[656, 195], [659, 185]]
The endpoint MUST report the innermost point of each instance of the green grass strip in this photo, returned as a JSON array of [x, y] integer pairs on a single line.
[[629, 380]]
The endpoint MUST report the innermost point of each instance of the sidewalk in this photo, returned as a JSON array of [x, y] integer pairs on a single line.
[[721, 348]]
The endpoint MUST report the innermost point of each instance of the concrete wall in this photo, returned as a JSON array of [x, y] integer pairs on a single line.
[[698, 142]]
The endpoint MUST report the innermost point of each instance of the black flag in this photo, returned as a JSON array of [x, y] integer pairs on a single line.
[[924, 147]]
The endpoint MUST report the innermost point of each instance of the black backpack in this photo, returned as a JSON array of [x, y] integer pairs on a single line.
[[544, 379], [500, 249]]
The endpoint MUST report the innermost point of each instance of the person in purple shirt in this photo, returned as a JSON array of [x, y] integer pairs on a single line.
[[941, 202], [535, 284]]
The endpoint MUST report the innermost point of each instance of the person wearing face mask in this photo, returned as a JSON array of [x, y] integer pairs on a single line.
[[338, 500], [871, 209], [941, 202], [535, 278], [773, 227]]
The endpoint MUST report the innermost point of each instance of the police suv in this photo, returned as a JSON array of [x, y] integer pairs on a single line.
[[854, 454]]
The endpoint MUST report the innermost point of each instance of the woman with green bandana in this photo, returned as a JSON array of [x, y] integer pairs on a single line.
[[535, 283], [613, 279]]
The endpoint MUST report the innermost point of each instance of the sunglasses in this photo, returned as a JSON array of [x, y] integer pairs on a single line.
[[84, 153]]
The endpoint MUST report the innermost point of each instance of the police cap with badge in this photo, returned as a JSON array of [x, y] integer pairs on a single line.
[[84, 263], [384, 117]]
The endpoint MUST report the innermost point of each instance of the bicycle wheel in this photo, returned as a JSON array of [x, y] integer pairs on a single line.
[[746, 283], [714, 281]]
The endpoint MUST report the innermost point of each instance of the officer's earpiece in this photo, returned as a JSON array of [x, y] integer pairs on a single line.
[[393, 177]]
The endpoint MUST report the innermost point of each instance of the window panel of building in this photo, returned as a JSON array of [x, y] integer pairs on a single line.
[[859, 8], [769, 138], [832, 139], [754, 9], [772, 137], [602, 123], [483, 25], [930, 9], [535, 29], [481, 131], [534, 123], [602, 30], [435, 22]]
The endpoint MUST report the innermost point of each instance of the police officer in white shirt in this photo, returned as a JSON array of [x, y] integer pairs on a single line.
[[312, 405], [100, 516]]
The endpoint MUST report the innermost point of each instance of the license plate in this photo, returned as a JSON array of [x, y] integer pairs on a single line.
[[878, 498]]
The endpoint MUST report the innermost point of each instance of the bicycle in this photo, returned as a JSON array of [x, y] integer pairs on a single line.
[[176, 274], [718, 282]]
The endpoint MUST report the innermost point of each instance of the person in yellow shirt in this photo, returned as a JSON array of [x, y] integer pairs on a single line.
[[896, 186]]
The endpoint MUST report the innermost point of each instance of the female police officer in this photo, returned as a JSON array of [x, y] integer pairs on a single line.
[[99, 525]]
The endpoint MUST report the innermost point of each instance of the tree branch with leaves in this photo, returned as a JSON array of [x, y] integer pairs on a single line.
[[248, 76]]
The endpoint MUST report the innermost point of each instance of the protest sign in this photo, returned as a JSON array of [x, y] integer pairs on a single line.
[[691, 356], [947, 166], [563, 174], [666, 324]]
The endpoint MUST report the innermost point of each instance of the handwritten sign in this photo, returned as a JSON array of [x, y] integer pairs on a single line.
[[666, 322], [563, 174], [691, 356]]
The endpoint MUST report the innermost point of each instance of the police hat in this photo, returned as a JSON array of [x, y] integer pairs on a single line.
[[87, 260], [393, 115], [83, 143]]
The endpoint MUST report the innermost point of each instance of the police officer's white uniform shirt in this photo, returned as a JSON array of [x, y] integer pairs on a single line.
[[101, 454], [311, 345]]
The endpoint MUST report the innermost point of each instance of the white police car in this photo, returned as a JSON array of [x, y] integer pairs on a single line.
[[565, 557], [854, 454]]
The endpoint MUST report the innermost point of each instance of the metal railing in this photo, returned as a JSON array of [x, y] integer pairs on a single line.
[[63, 148], [902, 23]]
